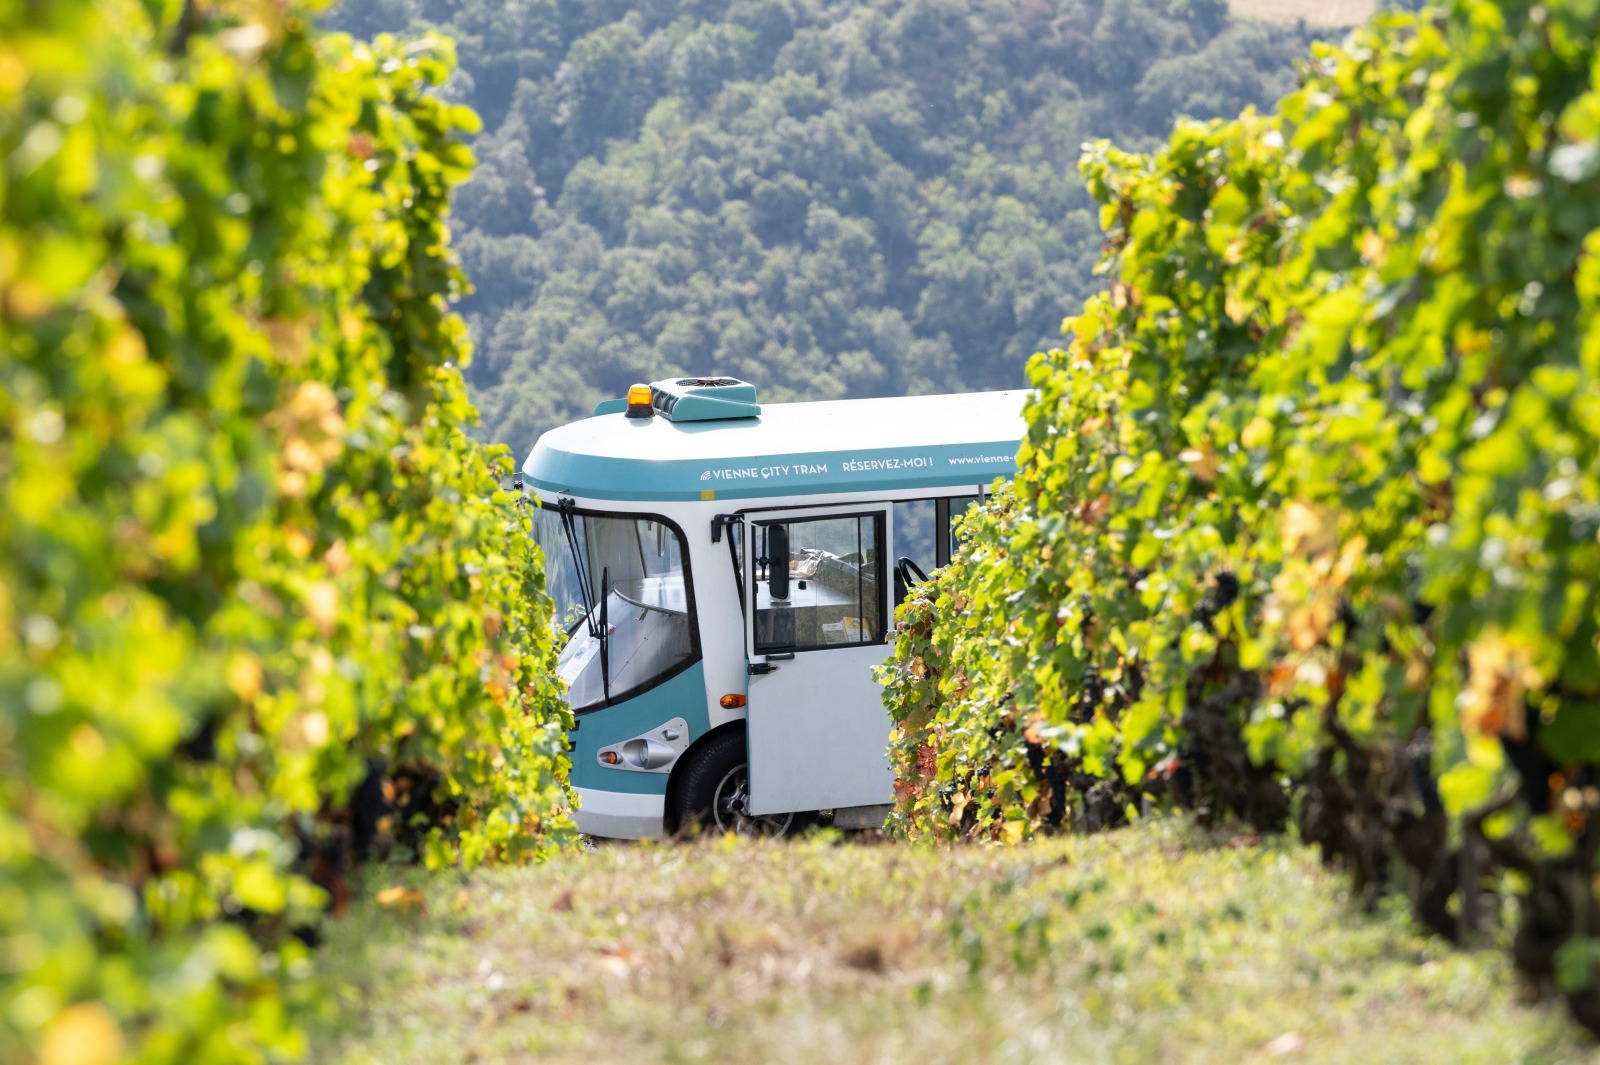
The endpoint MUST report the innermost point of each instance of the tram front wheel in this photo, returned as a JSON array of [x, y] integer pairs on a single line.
[[714, 793]]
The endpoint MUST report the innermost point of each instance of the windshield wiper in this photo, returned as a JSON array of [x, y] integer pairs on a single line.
[[605, 633], [595, 613], [569, 526]]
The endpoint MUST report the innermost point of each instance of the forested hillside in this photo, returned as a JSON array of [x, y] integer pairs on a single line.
[[828, 198]]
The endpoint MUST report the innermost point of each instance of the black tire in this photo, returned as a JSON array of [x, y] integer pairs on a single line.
[[712, 793]]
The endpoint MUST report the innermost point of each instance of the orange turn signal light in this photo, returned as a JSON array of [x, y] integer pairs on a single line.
[[732, 702], [639, 404], [610, 757]]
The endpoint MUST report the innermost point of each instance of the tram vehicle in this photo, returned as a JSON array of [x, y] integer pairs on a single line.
[[726, 572]]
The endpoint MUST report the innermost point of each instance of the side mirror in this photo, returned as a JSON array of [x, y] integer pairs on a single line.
[[778, 561]]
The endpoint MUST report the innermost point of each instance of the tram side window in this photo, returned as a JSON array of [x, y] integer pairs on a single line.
[[835, 591], [915, 533], [957, 509]]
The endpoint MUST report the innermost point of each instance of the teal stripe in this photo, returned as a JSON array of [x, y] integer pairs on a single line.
[[816, 473], [683, 696]]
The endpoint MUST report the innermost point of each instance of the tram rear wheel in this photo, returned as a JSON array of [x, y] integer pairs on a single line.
[[714, 793]]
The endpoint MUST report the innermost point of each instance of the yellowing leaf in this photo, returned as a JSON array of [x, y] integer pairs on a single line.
[[298, 543], [1374, 249], [1308, 529], [311, 430], [314, 727], [13, 70], [290, 338], [322, 605], [1310, 623], [26, 299], [82, 1034], [1238, 308], [1499, 673], [86, 742], [1349, 558], [1257, 433], [244, 675], [400, 898], [1202, 462], [126, 348]]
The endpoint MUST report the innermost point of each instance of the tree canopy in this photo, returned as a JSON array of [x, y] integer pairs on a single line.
[[824, 197]]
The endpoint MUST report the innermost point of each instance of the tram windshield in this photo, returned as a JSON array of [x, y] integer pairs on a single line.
[[621, 597]]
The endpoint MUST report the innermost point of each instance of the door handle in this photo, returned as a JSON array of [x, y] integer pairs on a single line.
[[760, 669]]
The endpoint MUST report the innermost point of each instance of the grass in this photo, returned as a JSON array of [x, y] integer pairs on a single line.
[[1332, 13], [1156, 943]]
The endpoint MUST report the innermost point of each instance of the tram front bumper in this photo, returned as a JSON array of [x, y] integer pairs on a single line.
[[619, 815]]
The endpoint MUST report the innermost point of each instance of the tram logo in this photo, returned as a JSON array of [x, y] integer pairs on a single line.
[[793, 468]]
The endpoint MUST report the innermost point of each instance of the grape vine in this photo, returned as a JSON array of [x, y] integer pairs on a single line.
[[1306, 521], [249, 558]]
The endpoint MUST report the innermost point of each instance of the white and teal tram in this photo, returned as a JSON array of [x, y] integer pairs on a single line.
[[727, 574]]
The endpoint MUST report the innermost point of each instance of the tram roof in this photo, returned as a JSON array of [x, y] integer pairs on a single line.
[[908, 442]]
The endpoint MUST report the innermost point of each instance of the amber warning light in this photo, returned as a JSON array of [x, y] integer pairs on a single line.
[[639, 402]]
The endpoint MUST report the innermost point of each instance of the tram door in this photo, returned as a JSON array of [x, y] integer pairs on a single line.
[[817, 613]]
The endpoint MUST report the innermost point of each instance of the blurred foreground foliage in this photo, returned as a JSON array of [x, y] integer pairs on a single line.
[[1308, 519], [248, 554]]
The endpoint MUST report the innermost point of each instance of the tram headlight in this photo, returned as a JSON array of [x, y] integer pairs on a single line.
[[644, 753]]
